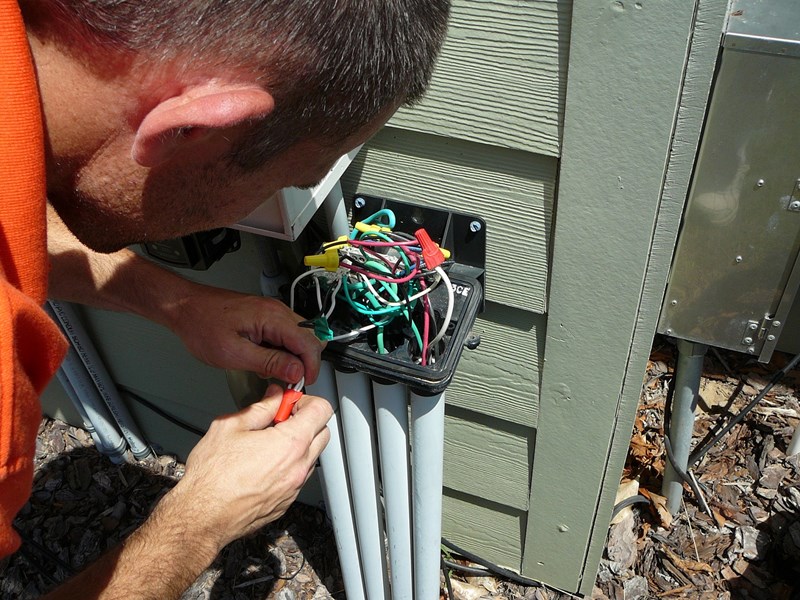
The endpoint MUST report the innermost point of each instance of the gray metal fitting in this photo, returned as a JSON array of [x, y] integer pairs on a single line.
[[475, 226], [359, 202]]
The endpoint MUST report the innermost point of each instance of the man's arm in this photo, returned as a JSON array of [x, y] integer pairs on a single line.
[[223, 328], [242, 475]]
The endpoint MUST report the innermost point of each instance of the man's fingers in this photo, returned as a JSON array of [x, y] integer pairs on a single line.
[[260, 415], [271, 362], [311, 416]]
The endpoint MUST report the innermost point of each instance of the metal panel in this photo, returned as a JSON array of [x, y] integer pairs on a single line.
[[759, 26], [739, 241]]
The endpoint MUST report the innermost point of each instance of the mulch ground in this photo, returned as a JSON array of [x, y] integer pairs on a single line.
[[748, 547]]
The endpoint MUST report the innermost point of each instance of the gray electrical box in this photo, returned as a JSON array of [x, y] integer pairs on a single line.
[[735, 272]]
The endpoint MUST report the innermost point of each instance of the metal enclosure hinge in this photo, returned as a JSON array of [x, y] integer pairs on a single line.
[[757, 331]]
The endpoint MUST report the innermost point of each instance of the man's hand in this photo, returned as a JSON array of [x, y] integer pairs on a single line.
[[223, 328], [234, 331], [242, 475]]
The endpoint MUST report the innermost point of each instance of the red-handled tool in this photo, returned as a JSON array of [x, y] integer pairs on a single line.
[[291, 395]]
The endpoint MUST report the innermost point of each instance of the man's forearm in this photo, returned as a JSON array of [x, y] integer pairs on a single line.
[[120, 281], [158, 561]]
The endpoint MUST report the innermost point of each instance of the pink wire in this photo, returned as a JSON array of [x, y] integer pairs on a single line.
[[414, 272]]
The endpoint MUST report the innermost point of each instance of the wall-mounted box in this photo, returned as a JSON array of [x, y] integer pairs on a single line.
[[735, 273], [285, 214]]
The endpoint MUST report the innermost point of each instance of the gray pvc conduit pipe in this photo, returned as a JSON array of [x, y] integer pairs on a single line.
[[427, 453], [391, 411], [336, 488], [355, 402], [82, 344]]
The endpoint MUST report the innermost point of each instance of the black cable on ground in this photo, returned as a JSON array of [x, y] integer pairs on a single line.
[[466, 568], [447, 581], [699, 453], [630, 501], [160, 411], [495, 569], [685, 476]]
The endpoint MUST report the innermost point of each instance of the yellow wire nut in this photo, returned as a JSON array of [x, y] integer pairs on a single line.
[[338, 243], [329, 260], [369, 228], [446, 253]]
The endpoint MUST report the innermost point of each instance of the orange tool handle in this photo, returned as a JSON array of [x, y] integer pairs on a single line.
[[290, 398]]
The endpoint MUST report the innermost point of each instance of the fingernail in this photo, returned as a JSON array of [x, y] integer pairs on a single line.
[[294, 373]]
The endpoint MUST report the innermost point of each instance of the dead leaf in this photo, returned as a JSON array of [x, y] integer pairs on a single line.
[[660, 504], [688, 564], [626, 489]]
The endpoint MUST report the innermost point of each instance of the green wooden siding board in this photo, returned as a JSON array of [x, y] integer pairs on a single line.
[[512, 190], [487, 457], [626, 70], [500, 378], [491, 531], [705, 42], [500, 79]]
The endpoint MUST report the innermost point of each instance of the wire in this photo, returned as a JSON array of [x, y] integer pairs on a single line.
[[699, 453], [497, 570], [160, 411], [447, 581], [297, 280], [450, 301], [630, 501], [466, 568]]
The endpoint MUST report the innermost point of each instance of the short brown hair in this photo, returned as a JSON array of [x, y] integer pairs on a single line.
[[332, 65]]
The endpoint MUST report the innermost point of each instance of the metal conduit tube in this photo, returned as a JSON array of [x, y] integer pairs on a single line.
[[355, 402], [82, 344], [794, 445], [335, 487], [681, 417], [427, 458], [391, 411]]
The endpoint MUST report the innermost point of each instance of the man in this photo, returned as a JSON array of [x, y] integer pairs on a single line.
[[150, 120]]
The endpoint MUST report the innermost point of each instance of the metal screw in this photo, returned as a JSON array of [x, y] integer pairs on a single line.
[[475, 226], [776, 323], [753, 326], [563, 528], [359, 202], [747, 340], [760, 183], [771, 338], [794, 205], [668, 332], [751, 350], [739, 259], [674, 303]]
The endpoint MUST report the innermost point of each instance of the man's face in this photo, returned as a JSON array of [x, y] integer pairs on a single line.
[[115, 202]]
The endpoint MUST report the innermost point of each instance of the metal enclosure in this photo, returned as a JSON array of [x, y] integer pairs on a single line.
[[735, 273]]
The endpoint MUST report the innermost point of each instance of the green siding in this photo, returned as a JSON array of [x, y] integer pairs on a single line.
[[501, 77], [512, 190], [491, 531], [487, 458]]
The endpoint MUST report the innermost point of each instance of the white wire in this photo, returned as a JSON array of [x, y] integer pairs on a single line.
[[354, 333], [336, 289], [449, 313], [296, 281], [416, 296], [319, 292]]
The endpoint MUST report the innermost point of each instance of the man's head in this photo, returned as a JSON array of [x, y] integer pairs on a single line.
[[207, 106]]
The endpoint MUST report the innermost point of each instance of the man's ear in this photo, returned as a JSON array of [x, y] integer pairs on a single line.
[[193, 115]]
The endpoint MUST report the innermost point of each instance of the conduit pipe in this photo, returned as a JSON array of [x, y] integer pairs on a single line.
[[82, 344], [427, 458], [681, 418], [336, 212], [391, 410], [355, 401], [794, 445], [336, 488]]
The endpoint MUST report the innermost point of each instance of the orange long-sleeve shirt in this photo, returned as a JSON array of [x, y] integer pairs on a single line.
[[31, 347]]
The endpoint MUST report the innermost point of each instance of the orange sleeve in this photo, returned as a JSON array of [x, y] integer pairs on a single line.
[[31, 346]]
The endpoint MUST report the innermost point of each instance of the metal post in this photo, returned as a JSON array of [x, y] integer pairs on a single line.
[[684, 400]]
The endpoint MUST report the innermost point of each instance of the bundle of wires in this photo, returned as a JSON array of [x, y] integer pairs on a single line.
[[381, 281]]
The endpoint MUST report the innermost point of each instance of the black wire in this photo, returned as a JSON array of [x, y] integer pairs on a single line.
[[160, 411], [698, 454], [630, 501], [497, 570], [296, 573], [447, 581], [465, 568]]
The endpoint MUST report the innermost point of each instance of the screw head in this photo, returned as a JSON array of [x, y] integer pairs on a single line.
[[674, 303], [475, 226], [747, 340], [563, 528], [760, 183], [359, 202], [776, 323], [770, 338], [751, 350], [739, 259], [668, 332], [794, 205], [753, 326]]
